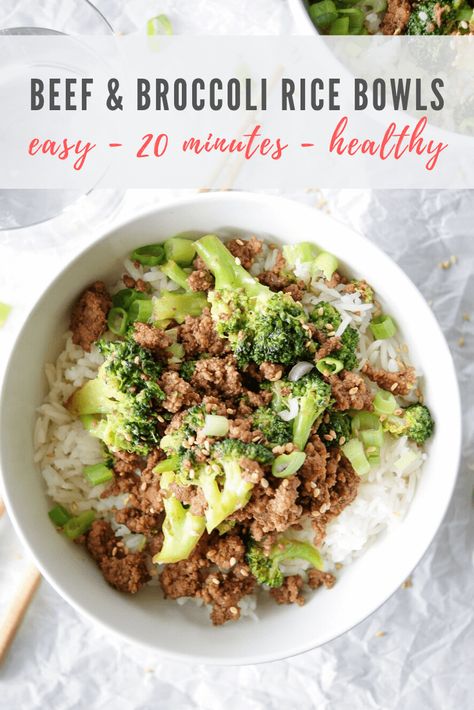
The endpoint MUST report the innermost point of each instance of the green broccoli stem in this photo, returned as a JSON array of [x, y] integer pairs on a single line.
[[227, 272], [176, 306], [303, 422]]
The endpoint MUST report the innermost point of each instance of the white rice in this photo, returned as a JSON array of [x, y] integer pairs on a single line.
[[63, 447]]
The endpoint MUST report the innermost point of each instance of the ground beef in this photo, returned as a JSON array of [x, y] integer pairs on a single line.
[[350, 391], [335, 280], [226, 551], [330, 346], [179, 393], [401, 382], [242, 429], [153, 339], [218, 375], [128, 281], [89, 315], [201, 280], [313, 471], [125, 463], [296, 290], [290, 591], [279, 511], [183, 579], [126, 571], [332, 494], [224, 593], [137, 521], [270, 371], [191, 496], [250, 401], [251, 470], [198, 336], [274, 280], [245, 249], [316, 579], [396, 17]]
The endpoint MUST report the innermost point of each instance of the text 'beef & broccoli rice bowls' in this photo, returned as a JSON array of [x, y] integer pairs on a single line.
[[230, 420]]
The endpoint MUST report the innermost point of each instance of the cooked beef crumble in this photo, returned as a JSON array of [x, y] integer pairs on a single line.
[[89, 315]]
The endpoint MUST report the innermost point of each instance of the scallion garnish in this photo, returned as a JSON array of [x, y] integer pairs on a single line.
[[329, 366], [215, 425], [286, 465], [117, 321], [159, 25], [150, 255], [79, 525], [354, 451], [98, 473], [59, 516], [125, 297], [323, 13], [327, 263], [382, 327], [140, 311], [384, 402]]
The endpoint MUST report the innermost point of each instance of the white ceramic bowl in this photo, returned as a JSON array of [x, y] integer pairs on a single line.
[[184, 631]]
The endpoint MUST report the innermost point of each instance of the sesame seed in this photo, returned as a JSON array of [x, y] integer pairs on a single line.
[[215, 580], [278, 450], [394, 387], [317, 491], [255, 477], [143, 486], [320, 311], [114, 551], [342, 440], [232, 561], [233, 610], [461, 342], [285, 483], [160, 418], [328, 437], [379, 634], [239, 242], [407, 583], [264, 483], [329, 326], [151, 510], [333, 433], [323, 508], [237, 261], [244, 572], [353, 390], [398, 412], [338, 565], [289, 448]]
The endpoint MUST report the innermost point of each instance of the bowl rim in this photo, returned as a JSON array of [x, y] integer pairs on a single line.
[[31, 545]]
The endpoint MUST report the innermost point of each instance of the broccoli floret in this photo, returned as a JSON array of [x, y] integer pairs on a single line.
[[181, 529], [434, 17], [416, 423], [124, 398], [186, 371], [339, 423], [266, 567], [328, 319], [221, 480], [176, 306], [261, 326], [273, 428], [313, 396], [193, 420]]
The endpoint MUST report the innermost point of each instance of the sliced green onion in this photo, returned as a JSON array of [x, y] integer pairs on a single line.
[[354, 451], [286, 465], [384, 402], [4, 313], [140, 311], [180, 250], [323, 13], [79, 525], [363, 421], [159, 25], [59, 516], [215, 425], [117, 321], [382, 327], [373, 455], [150, 255], [327, 263], [167, 465], [356, 19], [176, 274], [372, 437], [300, 253], [339, 26], [125, 297], [97, 473], [329, 365]]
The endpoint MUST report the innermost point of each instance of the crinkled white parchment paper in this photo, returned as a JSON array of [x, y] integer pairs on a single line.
[[417, 651]]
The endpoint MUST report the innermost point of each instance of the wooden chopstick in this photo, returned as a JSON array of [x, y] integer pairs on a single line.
[[18, 608]]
